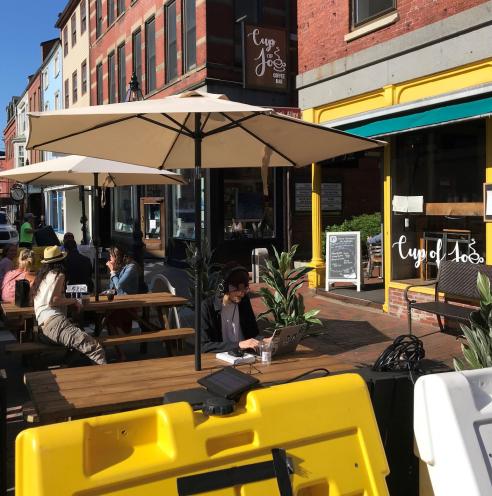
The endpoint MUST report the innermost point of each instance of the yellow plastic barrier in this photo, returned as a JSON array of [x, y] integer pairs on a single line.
[[326, 427]]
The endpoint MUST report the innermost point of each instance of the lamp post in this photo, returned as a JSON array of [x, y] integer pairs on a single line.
[[133, 94]]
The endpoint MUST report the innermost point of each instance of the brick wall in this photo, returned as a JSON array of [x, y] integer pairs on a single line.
[[323, 24]]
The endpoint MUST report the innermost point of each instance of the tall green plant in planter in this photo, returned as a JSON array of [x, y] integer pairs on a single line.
[[477, 348], [210, 271], [284, 305]]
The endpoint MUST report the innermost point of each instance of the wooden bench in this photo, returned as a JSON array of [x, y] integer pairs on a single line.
[[457, 281], [33, 347], [146, 337]]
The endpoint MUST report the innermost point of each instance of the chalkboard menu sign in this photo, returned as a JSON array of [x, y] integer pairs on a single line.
[[343, 262]]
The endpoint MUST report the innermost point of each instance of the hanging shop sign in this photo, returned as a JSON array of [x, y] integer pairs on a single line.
[[266, 58], [331, 197], [419, 255], [343, 260]]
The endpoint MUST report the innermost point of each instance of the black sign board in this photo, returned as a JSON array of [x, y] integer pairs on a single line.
[[343, 258], [266, 58]]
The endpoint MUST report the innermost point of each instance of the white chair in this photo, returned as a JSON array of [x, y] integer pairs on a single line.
[[159, 284]]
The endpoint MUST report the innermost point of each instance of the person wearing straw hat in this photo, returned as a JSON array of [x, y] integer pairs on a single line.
[[50, 306]]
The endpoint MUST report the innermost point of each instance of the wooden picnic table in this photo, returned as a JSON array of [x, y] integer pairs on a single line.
[[143, 300], [64, 394]]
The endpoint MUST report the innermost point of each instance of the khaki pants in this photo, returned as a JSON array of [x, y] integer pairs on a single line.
[[61, 331]]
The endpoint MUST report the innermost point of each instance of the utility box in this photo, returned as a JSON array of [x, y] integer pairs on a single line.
[[258, 259], [453, 430]]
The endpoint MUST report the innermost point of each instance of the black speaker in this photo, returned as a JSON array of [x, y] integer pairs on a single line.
[[46, 237]]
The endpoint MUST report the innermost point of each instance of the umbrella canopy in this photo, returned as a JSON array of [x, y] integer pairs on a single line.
[[77, 170], [190, 130], [161, 133], [84, 171]]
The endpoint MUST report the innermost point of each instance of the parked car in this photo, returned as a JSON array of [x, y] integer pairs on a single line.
[[8, 233]]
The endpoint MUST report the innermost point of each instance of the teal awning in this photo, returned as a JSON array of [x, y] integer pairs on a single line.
[[444, 113]]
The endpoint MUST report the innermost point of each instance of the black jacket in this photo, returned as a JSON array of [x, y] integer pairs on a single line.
[[79, 270], [212, 324]]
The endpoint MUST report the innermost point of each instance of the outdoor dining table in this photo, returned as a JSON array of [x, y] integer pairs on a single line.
[[141, 300], [71, 393]]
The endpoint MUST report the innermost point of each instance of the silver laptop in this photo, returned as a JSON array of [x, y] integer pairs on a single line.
[[286, 339]]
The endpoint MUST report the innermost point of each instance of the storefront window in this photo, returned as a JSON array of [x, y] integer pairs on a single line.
[[437, 175], [247, 212], [56, 217], [183, 206], [124, 213]]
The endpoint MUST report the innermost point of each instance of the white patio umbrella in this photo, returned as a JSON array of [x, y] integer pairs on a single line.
[[191, 130], [85, 171]]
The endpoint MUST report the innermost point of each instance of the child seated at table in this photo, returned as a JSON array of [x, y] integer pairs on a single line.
[[50, 306], [25, 264]]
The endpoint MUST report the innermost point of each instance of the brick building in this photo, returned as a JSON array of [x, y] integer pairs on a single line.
[[417, 75], [176, 46], [9, 134]]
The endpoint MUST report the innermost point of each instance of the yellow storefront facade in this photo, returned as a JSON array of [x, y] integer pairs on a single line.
[[458, 97]]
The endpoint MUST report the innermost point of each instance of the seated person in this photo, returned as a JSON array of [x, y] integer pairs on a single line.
[[50, 306], [124, 275], [228, 321], [374, 240], [24, 271], [79, 267]]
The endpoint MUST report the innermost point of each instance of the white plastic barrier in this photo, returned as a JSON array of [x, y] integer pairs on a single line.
[[453, 431], [258, 258]]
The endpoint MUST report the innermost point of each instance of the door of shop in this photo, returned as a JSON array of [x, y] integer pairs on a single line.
[[152, 215]]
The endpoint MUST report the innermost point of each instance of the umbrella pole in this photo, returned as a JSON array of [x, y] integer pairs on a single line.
[[95, 234], [198, 241]]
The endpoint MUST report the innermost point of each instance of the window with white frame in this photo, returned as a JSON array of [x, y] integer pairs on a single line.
[[46, 106], [56, 210], [368, 10], [21, 153], [57, 100], [73, 22], [46, 81], [56, 63], [83, 17], [124, 214]]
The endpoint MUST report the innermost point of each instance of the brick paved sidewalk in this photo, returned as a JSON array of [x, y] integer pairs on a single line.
[[358, 334]]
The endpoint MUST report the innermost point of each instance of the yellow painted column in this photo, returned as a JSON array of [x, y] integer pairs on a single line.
[[317, 275], [387, 223], [488, 179]]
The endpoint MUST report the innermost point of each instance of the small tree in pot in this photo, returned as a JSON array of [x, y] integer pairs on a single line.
[[283, 303]]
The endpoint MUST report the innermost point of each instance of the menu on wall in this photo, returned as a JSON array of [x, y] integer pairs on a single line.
[[266, 58], [331, 197], [343, 262]]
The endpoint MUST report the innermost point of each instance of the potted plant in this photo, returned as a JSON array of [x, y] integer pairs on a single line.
[[477, 345], [284, 305]]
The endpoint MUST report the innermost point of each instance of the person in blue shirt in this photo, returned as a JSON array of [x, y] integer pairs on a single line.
[[374, 240], [124, 275]]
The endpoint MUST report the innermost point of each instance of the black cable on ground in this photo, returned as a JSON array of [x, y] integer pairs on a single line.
[[404, 354]]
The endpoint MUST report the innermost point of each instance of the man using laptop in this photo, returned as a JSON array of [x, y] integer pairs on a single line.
[[228, 321]]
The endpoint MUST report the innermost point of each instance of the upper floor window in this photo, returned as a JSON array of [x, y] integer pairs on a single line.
[[120, 7], [189, 35], [57, 100], [83, 77], [46, 81], [137, 55], [73, 22], [111, 78], [74, 87], [46, 106], [171, 45], [99, 18], [20, 156], [110, 12], [99, 84], [150, 75], [67, 93], [121, 73], [65, 41], [367, 10], [56, 64], [83, 17]]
